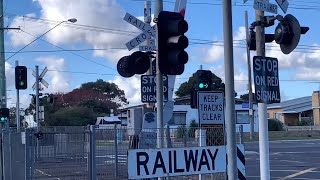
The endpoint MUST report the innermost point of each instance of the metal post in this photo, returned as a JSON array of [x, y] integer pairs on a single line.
[[92, 153], [147, 20], [262, 107], [37, 98], [2, 83], [2, 61], [241, 134], [202, 143], [229, 91], [251, 120], [115, 151], [18, 107], [159, 84]]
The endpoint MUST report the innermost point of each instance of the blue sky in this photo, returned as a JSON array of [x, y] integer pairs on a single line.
[[90, 48]]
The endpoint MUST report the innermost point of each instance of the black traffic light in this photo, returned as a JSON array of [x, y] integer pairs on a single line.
[[137, 63], [172, 42], [204, 80], [203, 83], [288, 32], [4, 114], [21, 77]]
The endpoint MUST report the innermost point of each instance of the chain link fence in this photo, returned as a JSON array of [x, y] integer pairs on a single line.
[[91, 152]]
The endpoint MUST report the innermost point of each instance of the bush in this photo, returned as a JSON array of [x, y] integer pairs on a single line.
[[275, 125], [181, 131], [192, 128]]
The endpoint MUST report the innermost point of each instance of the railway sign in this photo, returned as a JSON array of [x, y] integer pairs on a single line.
[[147, 31], [265, 6], [210, 107], [266, 79], [42, 81], [148, 88], [283, 5]]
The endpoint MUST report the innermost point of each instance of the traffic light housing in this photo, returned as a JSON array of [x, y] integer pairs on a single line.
[[21, 77], [172, 42], [204, 80], [4, 114], [203, 83], [137, 63]]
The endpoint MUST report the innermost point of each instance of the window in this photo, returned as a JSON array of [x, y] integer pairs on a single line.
[[179, 118], [242, 117]]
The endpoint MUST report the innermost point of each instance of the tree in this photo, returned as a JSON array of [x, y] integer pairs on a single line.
[[185, 88], [246, 97], [83, 105]]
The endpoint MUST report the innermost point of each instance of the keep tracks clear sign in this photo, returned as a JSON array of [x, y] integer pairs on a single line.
[[266, 79], [211, 108], [152, 163]]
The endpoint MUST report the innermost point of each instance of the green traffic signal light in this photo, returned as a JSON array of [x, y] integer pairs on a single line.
[[202, 85], [3, 118], [21, 83]]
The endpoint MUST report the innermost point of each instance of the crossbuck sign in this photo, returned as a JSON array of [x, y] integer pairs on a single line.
[[147, 31]]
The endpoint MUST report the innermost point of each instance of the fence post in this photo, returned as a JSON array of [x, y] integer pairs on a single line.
[[27, 155], [241, 133], [202, 143], [116, 151], [92, 153]]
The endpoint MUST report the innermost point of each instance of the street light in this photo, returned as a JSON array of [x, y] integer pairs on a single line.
[[72, 20]]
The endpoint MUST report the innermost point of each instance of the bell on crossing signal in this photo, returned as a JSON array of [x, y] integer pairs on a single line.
[[172, 42], [21, 77], [4, 114], [137, 63], [288, 32]]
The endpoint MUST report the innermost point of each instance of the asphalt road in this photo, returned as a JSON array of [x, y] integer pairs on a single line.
[[295, 159]]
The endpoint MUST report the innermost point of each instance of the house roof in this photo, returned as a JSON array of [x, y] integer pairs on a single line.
[[295, 105]]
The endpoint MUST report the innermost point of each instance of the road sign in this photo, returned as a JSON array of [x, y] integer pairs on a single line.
[[210, 107], [283, 5], [42, 81], [147, 48], [266, 79], [152, 163], [265, 6], [148, 88], [148, 31]]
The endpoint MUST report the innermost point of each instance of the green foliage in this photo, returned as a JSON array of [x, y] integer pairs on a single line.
[[81, 106], [185, 88], [304, 122], [181, 131], [246, 97], [275, 125], [73, 116], [192, 128]]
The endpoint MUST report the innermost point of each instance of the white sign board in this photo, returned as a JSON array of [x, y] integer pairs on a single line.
[[147, 48], [148, 31], [265, 6], [152, 163], [283, 5], [211, 108]]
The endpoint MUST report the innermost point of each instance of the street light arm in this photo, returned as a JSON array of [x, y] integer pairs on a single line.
[[73, 20]]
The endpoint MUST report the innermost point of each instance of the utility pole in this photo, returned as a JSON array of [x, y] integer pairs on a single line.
[[262, 107], [158, 7], [229, 91], [18, 106], [251, 120]]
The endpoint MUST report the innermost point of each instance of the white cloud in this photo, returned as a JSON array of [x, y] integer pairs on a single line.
[[240, 83], [10, 77], [58, 81], [131, 87], [107, 14]]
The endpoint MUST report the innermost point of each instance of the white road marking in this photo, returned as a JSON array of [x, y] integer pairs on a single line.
[[43, 173], [298, 173]]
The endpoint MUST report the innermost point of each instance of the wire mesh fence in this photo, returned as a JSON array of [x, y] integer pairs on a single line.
[[81, 153]]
